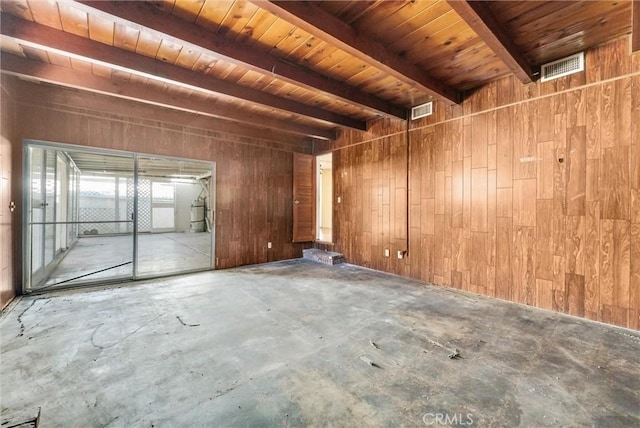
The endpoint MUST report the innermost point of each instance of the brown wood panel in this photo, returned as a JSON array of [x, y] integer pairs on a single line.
[[614, 183], [479, 262], [524, 202], [614, 263], [523, 264], [504, 148], [635, 205], [593, 121], [479, 141], [559, 302], [576, 108], [457, 194], [467, 194], [591, 260], [504, 202], [575, 294], [544, 293], [559, 201], [574, 246], [524, 141], [479, 200], [634, 281], [592, 187], [634, 158], [544, 240], [440, 192], [545, 170], [576, 174], [622, 112]]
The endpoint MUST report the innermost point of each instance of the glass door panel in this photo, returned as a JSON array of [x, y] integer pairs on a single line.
[[35, 212], [49, 206], [174, 198], [79, 223]]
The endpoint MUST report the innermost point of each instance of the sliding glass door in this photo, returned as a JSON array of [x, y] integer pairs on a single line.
[[74, 228], [97, 216], [177, 200]]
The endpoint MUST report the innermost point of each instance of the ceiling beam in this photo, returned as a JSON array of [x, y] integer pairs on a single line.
[[144, 17], [635, 26], [47, 38], [315, 21], [482, 21], [14, 65]]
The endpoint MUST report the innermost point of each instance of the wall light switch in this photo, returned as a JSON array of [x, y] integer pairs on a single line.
[[268, 244], [386, 252]]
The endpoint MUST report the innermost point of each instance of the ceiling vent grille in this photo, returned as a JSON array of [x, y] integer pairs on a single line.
[[422, 110], [563, 67]]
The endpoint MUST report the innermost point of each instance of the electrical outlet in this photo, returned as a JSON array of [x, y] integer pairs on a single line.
[[387, 253], [400, 254], [268, 244], [339, 199]]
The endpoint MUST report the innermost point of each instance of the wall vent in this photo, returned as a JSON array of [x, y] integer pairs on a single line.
[[563, 67], [422, 110]]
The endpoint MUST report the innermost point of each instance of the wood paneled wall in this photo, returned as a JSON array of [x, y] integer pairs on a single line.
[[253, 177], [528, 193], [7, 128]]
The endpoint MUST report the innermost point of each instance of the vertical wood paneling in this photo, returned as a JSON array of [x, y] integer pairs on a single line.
[[544, 240], [614, 183], [592, 260], [634, 280], [479, 200], [576, 170], [575, 294], [574, 246], [536, 202], [523, 264], [524, 204], [504, 148], [614, 267], [545, 170], [457, 194]]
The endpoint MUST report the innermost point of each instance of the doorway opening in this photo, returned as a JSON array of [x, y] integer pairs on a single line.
[[102, 216], [324, 198]]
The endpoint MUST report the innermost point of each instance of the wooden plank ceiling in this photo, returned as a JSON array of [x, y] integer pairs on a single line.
[[304, 68]]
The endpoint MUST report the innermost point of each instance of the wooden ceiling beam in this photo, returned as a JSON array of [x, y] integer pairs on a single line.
[[321, 24], [481, 20], [635, 26], [14, 65], [145, 17], [48, 38]]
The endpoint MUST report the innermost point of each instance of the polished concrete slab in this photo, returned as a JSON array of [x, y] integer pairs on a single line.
[[298, 343], [105, 257]]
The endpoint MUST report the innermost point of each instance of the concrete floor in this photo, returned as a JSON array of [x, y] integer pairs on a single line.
[[159, 253], [290, 344]]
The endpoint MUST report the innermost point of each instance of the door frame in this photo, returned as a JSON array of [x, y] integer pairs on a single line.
[[26, 236]]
